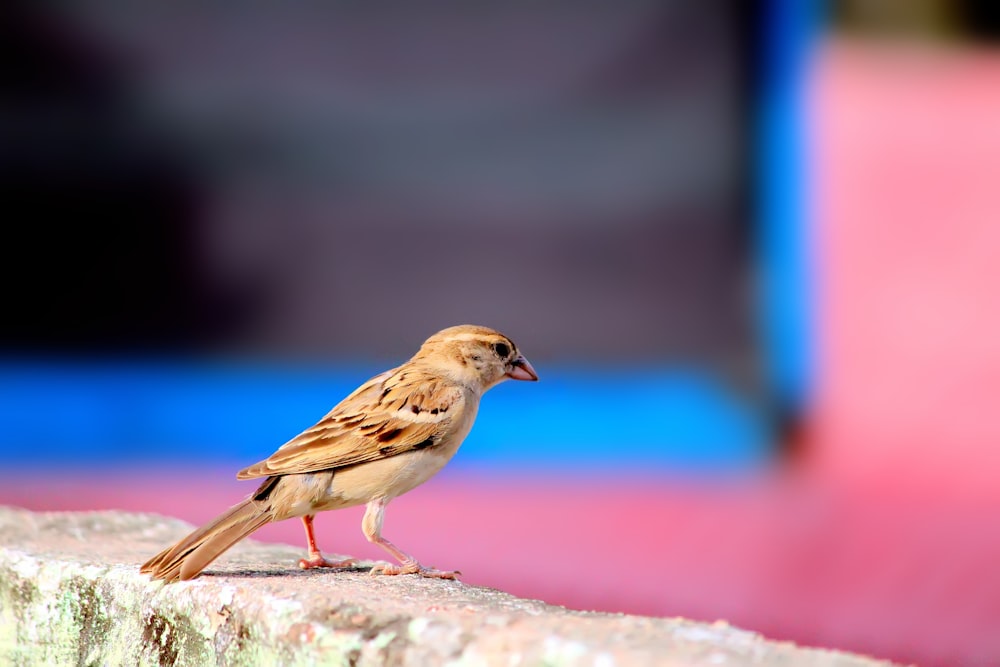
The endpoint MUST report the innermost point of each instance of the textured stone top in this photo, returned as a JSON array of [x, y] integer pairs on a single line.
[[71, 593]]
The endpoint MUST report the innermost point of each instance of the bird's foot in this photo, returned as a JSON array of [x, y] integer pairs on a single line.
[[413, 568], [316, 559]]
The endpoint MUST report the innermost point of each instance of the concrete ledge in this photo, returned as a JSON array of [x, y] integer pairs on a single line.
[[71, 593]]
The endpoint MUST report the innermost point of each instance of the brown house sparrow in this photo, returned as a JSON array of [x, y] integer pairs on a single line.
[[389, 436]]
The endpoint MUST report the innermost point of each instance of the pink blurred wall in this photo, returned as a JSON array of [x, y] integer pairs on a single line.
[[906, 176], [907, 183]]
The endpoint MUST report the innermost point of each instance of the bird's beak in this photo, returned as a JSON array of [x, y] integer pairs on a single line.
[[520, 369]]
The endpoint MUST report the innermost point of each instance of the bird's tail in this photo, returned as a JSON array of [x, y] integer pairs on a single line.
[[193, 553]]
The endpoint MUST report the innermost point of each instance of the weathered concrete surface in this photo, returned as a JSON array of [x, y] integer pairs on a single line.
[[71, 594]]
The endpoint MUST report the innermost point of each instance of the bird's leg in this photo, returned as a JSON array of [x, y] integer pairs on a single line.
[[315, 556], [371, 525]]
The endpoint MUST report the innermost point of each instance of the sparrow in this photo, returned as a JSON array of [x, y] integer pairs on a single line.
[[390, 435]]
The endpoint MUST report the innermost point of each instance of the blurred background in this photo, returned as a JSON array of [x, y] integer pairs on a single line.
[[751, 249]]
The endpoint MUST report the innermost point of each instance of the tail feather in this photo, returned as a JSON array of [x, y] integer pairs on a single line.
[[192, 554]]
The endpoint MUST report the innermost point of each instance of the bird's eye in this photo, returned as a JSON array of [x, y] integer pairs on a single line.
[[501, 350]]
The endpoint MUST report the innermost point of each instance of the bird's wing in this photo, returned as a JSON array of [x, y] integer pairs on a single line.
[[395, 412]]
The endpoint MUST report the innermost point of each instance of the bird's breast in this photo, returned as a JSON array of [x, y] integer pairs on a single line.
[[385, 478]]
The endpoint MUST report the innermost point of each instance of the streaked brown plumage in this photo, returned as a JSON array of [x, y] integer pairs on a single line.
[[389, 436]]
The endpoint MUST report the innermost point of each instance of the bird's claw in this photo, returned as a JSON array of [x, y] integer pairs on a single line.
[[389, 569], [317, 560]]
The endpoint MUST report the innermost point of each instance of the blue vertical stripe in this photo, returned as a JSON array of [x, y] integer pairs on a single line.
[[790, 29]]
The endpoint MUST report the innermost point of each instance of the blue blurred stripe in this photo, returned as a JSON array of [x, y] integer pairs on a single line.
[[99, 414], [790, 35]]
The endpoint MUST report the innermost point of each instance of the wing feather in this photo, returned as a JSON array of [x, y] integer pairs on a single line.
[[398, 411]]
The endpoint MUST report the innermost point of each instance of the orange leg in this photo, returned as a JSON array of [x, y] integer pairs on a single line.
[[315, 556], [371, 525]]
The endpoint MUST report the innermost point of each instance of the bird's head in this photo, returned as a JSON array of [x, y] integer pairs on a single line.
[[478, 357]]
